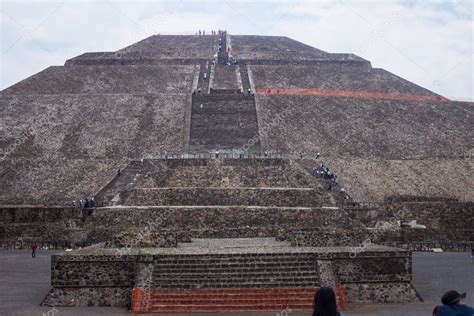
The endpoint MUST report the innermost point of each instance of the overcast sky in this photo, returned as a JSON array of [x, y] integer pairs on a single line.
[[427, 42]]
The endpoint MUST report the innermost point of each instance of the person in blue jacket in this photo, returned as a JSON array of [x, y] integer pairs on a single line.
[[453, 305]]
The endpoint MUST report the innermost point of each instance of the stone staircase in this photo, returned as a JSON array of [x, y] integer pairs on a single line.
[[223, 122], [245, 77], [235, 271], [223, 55], [109, 195], [204, 76], [257, 274], [233, 300], [264, 182]]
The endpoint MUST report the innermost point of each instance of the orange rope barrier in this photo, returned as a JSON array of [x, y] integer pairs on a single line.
[[341, 297], [356, 94]]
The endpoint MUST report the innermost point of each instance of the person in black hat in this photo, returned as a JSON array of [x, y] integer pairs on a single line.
[[453, 305]]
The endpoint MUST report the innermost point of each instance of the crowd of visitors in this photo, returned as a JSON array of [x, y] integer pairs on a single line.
[[213, 32], [84, 203], [324, 172]]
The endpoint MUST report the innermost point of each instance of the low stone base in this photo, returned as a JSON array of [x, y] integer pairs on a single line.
[[97, 276], [88, 296], [386, 292]]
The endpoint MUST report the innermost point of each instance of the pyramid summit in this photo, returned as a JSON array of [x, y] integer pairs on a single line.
[[203, 173]]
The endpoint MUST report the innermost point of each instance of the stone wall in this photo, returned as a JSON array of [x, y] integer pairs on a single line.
[[272, 47], [344, 127], [229, 173], [388, 292], [91, 280], [445, 223], [289, 197], [331, 76], [9, 215], [57, 156], [105, 79], [376, 179], [44, 226]]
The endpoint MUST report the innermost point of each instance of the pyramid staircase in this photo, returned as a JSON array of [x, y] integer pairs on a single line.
[[236, 275], [215, 182], [223, 122], [245, 77], [204, 76], [122, 181]]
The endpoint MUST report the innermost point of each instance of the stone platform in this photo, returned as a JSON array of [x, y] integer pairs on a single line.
[[106, 276]]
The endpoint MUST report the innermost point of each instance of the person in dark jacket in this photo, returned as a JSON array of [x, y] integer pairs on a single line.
[[325, 303], [453, 305]]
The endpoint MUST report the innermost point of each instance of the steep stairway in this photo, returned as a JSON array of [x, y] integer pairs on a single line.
[[231, 275], [222, 54], [223, 121], [204, 76], [244, 75], [233, 300], [121, 183]]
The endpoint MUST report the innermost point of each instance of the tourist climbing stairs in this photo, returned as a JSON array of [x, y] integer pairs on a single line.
[[204, 76], [222, 54]]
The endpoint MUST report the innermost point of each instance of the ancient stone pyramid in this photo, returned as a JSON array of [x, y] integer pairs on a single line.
[[66, 130], [204, 156]]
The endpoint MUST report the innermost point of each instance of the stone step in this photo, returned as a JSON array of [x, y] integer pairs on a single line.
[[225, 272], [228, 300], [223, 97], [231, 308], [241, 300], [247, 270], [234, 265], [235, 278], [229, 283], [245, 257], [237, 291]]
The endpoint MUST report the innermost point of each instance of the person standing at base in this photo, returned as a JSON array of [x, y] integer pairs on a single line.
[[33, 251], [453, 305], [325, 303]]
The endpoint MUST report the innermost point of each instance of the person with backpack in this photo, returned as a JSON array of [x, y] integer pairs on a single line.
[[453, 305]]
